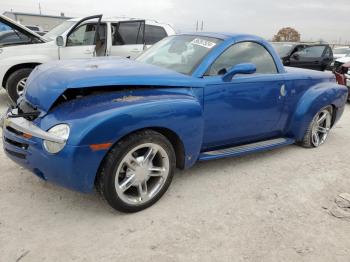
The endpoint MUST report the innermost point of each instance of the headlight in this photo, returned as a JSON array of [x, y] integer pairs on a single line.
[[61, 131]]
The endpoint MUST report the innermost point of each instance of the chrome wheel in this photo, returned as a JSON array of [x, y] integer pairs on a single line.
[[21, 85], [142, 173], [321, 127]]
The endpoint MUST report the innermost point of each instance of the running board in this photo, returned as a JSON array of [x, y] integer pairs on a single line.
[[246, 149]]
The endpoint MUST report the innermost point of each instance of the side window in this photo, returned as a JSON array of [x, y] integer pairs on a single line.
[[299, 48], [245, 52], [85, 35], [82, 35], [312, 51], [153, 34], [127, 33], [328, 52]]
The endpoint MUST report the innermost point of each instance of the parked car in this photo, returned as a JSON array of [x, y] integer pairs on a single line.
[[37, 29], [4, 27], [13, 38], [286, 49], [75, 38], [340, 51], [125, 125], [342, 74], [340, 61], [316, 57]]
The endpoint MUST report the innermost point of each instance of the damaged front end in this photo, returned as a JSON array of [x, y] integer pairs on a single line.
[[42, 147], [22, 122]]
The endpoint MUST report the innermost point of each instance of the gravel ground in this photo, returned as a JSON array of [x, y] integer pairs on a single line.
[[271, 206]]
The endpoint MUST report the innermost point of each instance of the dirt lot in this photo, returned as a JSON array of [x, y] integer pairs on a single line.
[[272, 206]]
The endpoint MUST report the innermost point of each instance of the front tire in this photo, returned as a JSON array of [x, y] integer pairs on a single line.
[[16, 83], [137, 171], [318, 130]]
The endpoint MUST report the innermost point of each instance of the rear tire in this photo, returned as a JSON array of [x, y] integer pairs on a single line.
[[137, 171], [319, 128], [16, 83]]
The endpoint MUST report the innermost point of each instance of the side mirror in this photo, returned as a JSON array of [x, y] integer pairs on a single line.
[[60, 40], [296, 56], [246, 68]]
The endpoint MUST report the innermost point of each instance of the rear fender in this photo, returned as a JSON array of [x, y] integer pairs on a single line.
[[314, 99]]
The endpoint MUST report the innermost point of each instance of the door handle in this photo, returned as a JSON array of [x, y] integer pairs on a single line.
[[283, 91]]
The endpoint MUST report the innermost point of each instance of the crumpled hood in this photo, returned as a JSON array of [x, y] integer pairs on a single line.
[[47, 82]]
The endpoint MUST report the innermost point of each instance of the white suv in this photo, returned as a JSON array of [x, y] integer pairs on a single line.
[[22, 50]]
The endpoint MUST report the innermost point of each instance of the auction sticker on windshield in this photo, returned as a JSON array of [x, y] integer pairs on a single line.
[[204, 43]]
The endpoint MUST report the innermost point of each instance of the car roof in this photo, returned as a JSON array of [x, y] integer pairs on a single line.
[[341, 47], [289, 43], [120, 19], [224, 35]]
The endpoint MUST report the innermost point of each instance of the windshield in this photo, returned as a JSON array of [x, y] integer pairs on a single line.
[[341, 51], [4, 27], [283, 49], [179, 53], [59, 30], [10, 36]]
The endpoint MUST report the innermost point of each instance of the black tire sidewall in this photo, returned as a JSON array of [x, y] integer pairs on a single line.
[[113, 161], [307, 141], [14, 78]]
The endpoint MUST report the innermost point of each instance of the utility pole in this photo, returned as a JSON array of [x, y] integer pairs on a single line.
[[39, 8], [202, 25], [197, 26]]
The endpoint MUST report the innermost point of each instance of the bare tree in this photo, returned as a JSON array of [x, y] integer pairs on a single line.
[[287, 34]]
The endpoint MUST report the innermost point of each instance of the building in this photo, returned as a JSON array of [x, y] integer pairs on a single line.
[[46, 22]]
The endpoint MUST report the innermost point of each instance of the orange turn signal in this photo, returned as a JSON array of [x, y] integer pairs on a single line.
[[27, 136], [97, 147]]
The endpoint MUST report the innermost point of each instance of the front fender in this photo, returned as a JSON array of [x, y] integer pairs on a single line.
[[113, 119], [314, 99]]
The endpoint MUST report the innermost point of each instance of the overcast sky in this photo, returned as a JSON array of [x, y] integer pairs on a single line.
[[314, 19]]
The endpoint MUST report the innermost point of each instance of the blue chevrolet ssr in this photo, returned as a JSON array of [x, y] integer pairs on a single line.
[[123, 126]]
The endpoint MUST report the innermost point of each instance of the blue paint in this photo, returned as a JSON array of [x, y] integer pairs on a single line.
[[204, 112]]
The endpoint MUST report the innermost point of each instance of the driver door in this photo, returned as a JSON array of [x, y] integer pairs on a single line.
[[247, 108], [82, 38], [310, 57]]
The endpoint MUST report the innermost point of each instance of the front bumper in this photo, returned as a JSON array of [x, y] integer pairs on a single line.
[[74, 167], [27, 127]]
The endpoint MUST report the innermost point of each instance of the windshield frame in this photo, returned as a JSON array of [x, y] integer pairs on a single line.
[[196, 64]]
